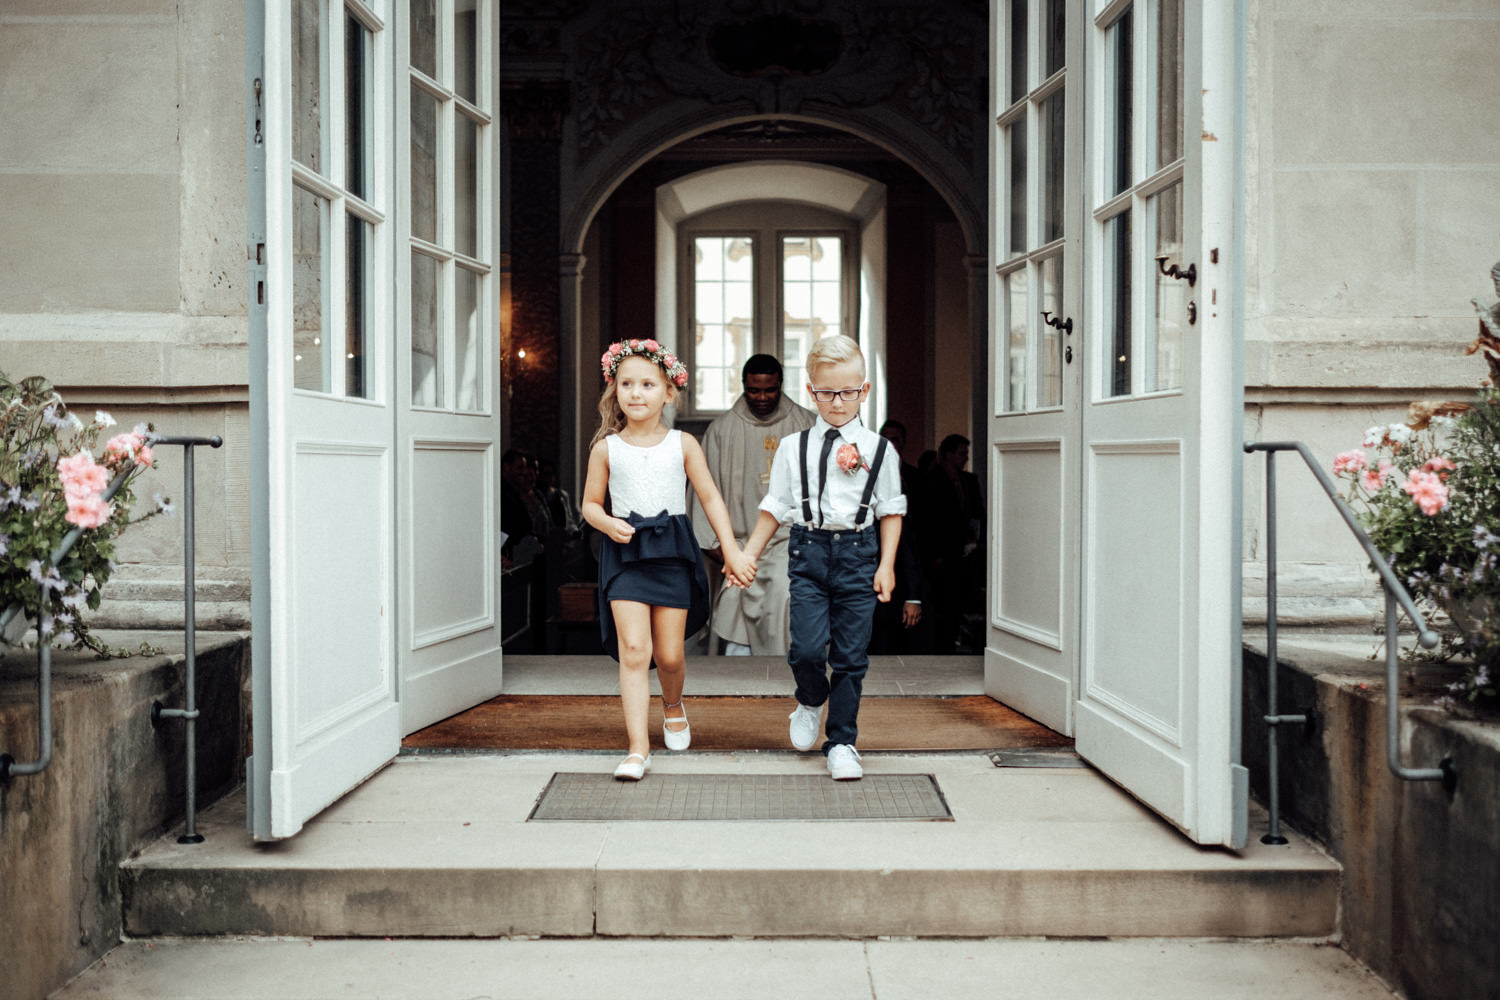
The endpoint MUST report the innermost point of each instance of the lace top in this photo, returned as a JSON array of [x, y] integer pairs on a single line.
[[647, 481]]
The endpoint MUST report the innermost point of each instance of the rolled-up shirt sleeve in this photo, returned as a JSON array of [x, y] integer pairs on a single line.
[[778, 501], [889, 499]]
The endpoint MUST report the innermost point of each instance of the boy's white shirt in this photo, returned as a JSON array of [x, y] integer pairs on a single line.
[[842, 492]]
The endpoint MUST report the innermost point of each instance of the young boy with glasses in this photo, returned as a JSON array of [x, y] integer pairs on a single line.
[[840, 491]]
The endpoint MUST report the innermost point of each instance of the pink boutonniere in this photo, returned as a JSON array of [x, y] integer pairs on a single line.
[[848, 459]]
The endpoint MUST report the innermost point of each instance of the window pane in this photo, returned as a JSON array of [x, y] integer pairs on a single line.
[[309, 338], [1018, 48], [1017, 135], [828, 259], [1049, 371], [466, 184], [723, 320], [1169, 59], [1121, 49], [426, 356], [739, 258], [1117, 250], [424, 214], [1055, 24], [356, 105], [827, 307], [1165, 340], [708, 258], [1017, 350], [1053, 167], [812, 307], [465, 49], [307, 83], [468, 345], [356, 281], [424, 36]]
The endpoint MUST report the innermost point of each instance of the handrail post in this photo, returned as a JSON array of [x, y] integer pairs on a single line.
[[189, 712], [1446, 771]]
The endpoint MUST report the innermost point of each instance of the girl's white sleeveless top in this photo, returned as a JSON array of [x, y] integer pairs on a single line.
[[647, 481]]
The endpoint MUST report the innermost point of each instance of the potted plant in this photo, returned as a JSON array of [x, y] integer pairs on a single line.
[[1428, 493], [55, 478]]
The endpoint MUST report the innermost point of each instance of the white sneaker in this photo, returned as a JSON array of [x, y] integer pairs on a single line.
[[805, 725], [843, 763]]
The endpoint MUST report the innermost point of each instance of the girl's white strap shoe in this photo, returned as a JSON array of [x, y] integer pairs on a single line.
[[676, 739], [633, 767]]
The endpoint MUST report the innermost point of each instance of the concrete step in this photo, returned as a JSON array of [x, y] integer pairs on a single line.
[[726, 970], [440, 846]]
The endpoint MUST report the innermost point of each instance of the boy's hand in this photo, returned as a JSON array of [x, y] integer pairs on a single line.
[[885, 582], [620, 530], [738, 569]]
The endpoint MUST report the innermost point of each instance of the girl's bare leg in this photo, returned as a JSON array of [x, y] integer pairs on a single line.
[[633, 627], [667, 625]]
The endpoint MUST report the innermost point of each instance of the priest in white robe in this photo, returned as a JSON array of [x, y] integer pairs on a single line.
[[739, 446]]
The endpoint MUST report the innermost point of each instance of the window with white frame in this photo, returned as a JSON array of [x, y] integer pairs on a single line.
[[449, 212], [335, 211], [761, 278], [1139, 206]]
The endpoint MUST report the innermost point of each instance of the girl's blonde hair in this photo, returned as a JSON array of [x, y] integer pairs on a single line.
[[612, 417], [832, 351]]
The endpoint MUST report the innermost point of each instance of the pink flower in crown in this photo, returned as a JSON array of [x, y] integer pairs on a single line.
[[650, 345], [848, 459], [635, 345]]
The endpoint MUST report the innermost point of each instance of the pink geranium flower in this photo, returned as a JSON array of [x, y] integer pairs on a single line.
[[1427, 490], [1441, 466], [1349, 461], [87, 512], [80, 476]]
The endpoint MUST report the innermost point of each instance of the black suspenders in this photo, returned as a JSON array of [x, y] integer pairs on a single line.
[[864, 501]]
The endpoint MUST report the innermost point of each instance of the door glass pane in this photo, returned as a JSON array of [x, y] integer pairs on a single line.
[[1164, 341], [1169, 59], [424, 36], [1018, 49], [1053, 166], [465, 49], [307, 83], [1121, 36], [1049, 371], [1017, 138], [1018, 343], [356, 104], [310, 369], [1117, 305], [466, 184], [468, 345], [1055, 41], [723, 317], [426, 345], [424, 217], [357, 244], [811, 286]]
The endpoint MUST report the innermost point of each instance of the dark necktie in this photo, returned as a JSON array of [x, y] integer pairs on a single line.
[[828, 440]]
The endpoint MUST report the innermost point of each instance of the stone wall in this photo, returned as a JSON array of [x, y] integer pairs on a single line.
[[1421, 887], [115, 782]]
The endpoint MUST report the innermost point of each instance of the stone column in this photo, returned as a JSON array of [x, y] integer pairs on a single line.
[[580, 376]]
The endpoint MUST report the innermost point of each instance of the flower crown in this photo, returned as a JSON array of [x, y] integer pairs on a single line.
[[648, 349]]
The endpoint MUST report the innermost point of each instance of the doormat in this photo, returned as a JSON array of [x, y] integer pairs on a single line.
[[757, 797], [590, 722]]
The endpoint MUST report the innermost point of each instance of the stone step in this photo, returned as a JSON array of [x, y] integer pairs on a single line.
[[441, 846], [210, 616]]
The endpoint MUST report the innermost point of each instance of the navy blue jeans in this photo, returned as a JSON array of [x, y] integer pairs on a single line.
[[832, 576]]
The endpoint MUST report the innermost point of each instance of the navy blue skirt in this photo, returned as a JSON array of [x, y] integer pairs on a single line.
[[661, 565]]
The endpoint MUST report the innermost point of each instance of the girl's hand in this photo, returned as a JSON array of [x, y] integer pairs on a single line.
[[620, 530], [738, 569]]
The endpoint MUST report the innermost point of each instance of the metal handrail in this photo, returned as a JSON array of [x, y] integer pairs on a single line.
[[1395, 594], [9, 766]]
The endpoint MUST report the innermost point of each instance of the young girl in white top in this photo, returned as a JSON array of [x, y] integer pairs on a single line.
[[653, 590]]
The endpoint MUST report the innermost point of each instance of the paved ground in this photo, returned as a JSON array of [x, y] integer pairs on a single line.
[[1140, 969]]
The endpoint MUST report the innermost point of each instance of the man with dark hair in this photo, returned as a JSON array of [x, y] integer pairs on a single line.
[[953, 524], [739, 446]]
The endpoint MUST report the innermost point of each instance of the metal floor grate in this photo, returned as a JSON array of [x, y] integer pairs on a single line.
[[761, 797], [1037, 757]]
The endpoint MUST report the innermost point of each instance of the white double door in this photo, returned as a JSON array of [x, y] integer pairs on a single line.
[[1113, 585], [375, 416]]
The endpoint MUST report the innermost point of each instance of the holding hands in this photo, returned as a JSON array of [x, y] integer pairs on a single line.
[[739, 569]]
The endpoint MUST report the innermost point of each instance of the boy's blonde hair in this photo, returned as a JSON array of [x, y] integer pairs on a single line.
[[832, 351]]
